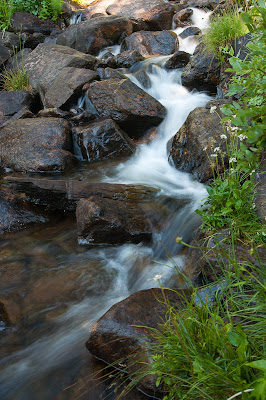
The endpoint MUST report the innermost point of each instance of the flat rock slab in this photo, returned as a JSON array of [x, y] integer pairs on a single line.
[[65, 194], [93, 35], [44, 64], [12, 102], [67, 87], [132, 108], [103, 140], [112, 221], [152, 43], [121, 335], [37, 144]]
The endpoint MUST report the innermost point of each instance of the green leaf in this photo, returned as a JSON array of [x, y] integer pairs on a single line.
[[259, 364]]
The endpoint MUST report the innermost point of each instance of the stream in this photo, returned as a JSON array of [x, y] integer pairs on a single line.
[[59, 287]]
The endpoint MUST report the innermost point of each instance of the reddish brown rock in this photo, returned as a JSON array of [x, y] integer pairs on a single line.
[[37, 144]]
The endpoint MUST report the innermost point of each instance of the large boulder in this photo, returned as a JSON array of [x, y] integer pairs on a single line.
[[151, 43], [199, 147], [44, 64], [27, 22], [149, 14], [67, 87], [112, 221], [10, 40], [5, 54], [179, 60], [122, 334], [103, 140], [36, 144], [93, 35], [128, 58], [131, 107], [203, 71]]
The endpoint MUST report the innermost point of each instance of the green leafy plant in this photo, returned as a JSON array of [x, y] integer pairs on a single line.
[[222, 30], [42, 8], [6, 12]]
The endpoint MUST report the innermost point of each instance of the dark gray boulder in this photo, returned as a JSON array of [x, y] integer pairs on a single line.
[[128, 58], [44, 64], [27, 22], [36, 144], [179, 60], [151, 43], [131, 107], [67, 87], [190, 31], [12, 102], [103, 140]]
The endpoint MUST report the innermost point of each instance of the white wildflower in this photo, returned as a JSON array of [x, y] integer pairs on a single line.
[[234, 128], [234, 116], [263, 233], [216, 149], [241, 137], [223, 136], [157, 277], [213, 155], [253, 205], [212, 109], [232, 159], [240, 10], [205, 148]]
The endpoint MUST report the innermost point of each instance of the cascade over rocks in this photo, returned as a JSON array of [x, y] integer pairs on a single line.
[[147, 14], [44, 64], [36, 144], [203, 71], [93, 35], [152, 43], [103, 140], [131, 107], [120, 334], [196, 140]]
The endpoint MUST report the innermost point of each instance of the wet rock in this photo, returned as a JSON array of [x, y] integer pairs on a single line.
[[149, 14], [121, 334], [12, 102], [131, 107], [128, 58], [144, 79], [27, 22], [67, 87], [44, 64], [36, 144], [203, 71], [194, 144], [184, 14], [13, 215], [112, 221], [93, 35], [21, 114], [103, 140], [151, 43], [31, 40], [64, 194], [179, 60], [53, 112], [190, 31], [82, 118], [5, 54]]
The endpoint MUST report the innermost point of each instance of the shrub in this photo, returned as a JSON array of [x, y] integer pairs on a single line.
[[6, 12]]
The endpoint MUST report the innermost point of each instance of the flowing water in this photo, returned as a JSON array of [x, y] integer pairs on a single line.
[[57, 288]]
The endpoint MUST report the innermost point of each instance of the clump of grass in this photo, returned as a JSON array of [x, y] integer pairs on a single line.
[[15, 79], [222, 30], [6, 12]]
